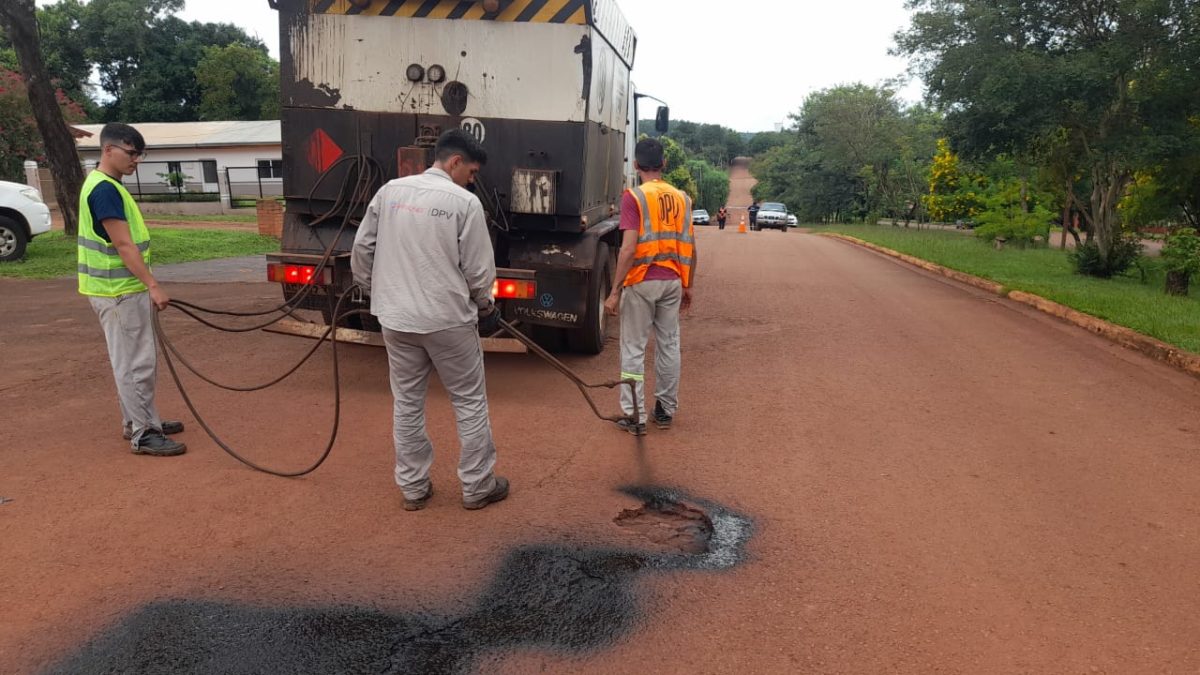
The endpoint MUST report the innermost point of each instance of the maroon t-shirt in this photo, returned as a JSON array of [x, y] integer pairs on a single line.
[[630, 220]]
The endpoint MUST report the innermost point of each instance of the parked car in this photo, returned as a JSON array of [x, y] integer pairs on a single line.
[[699, 217], [792, 222], [773, 215], [23, 216]]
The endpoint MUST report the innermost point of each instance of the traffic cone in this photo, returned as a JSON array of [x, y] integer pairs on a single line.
[[742, 226]]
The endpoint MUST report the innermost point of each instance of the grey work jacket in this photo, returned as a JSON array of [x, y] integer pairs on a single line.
[[424, 255]]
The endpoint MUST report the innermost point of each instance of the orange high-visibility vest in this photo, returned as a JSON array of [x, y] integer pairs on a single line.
[[665, 237]]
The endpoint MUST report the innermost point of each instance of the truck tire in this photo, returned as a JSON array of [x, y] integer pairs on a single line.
[[589, 338], [13, 240]]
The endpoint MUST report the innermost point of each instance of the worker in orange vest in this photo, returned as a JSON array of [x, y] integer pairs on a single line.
[[653, 283]]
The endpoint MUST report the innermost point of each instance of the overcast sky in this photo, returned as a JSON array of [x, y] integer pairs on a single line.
[[744, 64]]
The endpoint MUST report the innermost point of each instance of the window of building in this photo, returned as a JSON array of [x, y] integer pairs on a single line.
[[270, 168]]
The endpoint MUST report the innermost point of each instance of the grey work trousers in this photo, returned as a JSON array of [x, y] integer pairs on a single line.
[[458, 357], [128, 323], [651, 306]]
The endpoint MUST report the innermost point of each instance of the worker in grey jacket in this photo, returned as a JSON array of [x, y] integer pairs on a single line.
[[424, 255]]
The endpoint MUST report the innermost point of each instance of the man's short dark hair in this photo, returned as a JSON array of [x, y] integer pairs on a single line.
[[648, 153], [115, 133], [458, 142]]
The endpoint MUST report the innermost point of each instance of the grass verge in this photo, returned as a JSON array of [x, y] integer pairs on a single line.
[[1135, 300], [189, 218], [52, 254]]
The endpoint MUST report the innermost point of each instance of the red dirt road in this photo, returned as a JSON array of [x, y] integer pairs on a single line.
[[940, 481]]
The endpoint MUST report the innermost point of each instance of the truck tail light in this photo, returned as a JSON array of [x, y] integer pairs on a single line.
[[514, 289], [285, 273]]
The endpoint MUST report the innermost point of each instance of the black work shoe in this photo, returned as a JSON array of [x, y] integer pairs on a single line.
[[168, 427], [498, 494], [635, 428], [156, 444], [661, 419], [420, 502]]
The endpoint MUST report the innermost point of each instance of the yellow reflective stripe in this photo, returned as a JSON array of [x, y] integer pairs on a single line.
[[579, 18], [636, 377], [533, 11], [547, 13], [663, 257], [442, 11], [108, 250], [116, 273], [647, 228], [666, 235], [475, 13]]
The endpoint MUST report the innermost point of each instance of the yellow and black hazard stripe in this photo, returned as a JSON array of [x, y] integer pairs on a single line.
[[530, 11]]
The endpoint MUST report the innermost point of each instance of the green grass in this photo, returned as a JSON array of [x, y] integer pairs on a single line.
[[53, 255], [1126, 300], [250, 217]]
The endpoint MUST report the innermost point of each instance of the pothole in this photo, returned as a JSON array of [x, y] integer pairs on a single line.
[[669, 524]]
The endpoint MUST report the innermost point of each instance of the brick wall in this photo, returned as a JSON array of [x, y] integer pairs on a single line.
[[270, 218]]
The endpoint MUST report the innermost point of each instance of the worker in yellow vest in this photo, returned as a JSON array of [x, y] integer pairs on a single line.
[[653, 283], [114, 272]]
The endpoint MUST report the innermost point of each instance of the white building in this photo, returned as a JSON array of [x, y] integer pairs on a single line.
[[198, 163]]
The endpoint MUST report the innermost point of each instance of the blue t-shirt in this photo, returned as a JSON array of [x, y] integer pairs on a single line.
[[105, 203]]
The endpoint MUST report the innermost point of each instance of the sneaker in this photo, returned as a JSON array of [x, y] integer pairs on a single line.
[[635, 428], [156, 444], [661, 419], [168, 427], [498, 494], [419, 503]]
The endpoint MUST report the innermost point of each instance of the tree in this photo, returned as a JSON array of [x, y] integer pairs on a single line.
[[952, 196], [19, 136], [712, 185], [1012, 75], [117, 34], [676, 172], [19, 21], [238, 82], [147, 57], [852, 152], [764, 141], [165, 87], [62, 50]]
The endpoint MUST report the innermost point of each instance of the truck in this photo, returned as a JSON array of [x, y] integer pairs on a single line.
[[544, 85]]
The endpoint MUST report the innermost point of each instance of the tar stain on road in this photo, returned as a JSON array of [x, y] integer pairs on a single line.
[[554, 598]]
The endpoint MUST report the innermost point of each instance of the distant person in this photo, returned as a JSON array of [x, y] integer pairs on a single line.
[[753, 210], [652, 284], [722, 214], [113, 248]]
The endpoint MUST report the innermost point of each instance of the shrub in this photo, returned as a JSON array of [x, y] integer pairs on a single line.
[[1182, 257], [1004, 216], [1125, 252]]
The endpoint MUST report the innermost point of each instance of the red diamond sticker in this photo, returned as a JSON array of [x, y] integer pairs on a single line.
[[322, 151]]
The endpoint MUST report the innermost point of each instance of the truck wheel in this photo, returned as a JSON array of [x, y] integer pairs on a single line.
[[12, 240], [589, 338]]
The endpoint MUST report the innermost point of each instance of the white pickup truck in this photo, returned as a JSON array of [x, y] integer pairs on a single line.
[[23, 216]]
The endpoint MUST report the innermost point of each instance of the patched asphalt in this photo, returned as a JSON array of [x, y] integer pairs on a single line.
[[571, 600]]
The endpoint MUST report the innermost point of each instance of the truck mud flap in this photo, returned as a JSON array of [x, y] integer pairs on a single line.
[[561, 300]]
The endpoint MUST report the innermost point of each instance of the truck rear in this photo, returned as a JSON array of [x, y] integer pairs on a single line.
[[367, 87]]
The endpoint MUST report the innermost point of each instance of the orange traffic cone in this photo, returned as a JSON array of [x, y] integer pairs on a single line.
[[742, 226]]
